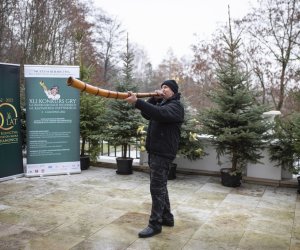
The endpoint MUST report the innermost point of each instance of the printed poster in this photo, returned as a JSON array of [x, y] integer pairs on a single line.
[[52, 115], [11, 160]]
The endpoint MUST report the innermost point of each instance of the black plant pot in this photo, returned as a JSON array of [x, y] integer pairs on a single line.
[[298, 179], [172, 171], [124, 165], [84, 162], [229, 179]]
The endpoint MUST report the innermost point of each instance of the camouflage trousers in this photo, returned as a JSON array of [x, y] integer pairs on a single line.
[[161, 209]]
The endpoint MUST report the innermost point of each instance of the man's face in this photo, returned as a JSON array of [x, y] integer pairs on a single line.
[[54, 91], [168, 93]]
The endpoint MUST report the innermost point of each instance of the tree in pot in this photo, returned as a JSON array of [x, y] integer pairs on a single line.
[[235, 122], [285, 146], [92, 110], [123, 118], [122, 129], [190, 146]]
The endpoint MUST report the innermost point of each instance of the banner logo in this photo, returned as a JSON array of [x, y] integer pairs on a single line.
[[52, 93], [8, 116]]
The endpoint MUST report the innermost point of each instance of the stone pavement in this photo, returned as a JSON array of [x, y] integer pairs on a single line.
[[99, 209]]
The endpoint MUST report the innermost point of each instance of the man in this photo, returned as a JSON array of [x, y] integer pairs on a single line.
[[52, 93], [165, 114]]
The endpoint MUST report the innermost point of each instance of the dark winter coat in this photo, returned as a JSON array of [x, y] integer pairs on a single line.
[[165, 119]]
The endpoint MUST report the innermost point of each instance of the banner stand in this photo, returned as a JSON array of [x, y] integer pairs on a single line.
[[11, 159], [44, 174], [12, 177], [52, 120]]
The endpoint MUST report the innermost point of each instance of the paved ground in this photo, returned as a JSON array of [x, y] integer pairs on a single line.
[[99, 209]]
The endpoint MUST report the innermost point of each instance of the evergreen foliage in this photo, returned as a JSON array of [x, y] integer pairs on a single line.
[[190, 146], [92, 110], [236, 122], [296, 135], [285, 147], [124, 119]]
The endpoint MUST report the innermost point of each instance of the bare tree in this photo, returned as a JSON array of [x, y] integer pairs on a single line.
[[169, 68], [142, 67], [7, 39], [274, 27], [206, 55], [109, 37], [205, 58], [44, 30]]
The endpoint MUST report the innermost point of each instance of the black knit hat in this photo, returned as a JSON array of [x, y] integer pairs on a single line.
[[54, 87], [172, 84]]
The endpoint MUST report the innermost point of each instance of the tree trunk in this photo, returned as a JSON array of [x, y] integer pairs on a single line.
[[282, 87], [234, 161], [124, 150]]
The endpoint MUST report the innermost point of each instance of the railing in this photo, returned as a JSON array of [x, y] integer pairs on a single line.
[[115, 151]]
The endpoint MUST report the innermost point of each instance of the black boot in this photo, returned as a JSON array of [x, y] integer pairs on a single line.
[[168, 223], [149, 232]]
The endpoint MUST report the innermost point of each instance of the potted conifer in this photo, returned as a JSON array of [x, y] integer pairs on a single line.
[[235, 122], [122, 129], [190, 145], [124, 119], [285, 146], [92, 110]]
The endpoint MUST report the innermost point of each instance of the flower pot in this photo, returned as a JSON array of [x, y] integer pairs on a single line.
[[230, 179], [298, 179], [124, 165], [172, 171], [84, 162]]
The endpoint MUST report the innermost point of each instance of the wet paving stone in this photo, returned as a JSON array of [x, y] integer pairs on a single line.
[[99, 209]]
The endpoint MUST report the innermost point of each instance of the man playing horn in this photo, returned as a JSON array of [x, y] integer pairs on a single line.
[[52, 93], [165, 113]]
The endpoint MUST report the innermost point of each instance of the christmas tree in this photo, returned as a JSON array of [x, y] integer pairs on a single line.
[[124, 119], [236, 122]]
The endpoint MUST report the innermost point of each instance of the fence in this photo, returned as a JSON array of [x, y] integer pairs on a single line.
[[115, 151]]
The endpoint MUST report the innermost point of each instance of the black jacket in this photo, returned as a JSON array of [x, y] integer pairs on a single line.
[[165, 119]]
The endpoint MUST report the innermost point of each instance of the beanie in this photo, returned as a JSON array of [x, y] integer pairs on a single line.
[[54, 87], [172, 84]]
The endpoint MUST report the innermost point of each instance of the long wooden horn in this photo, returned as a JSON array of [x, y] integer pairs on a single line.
[[75, 83]]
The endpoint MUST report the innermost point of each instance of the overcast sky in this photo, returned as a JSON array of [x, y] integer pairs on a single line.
[[157, 25]]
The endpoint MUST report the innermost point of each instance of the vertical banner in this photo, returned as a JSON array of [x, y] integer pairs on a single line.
[[11, 160], [52, 118]]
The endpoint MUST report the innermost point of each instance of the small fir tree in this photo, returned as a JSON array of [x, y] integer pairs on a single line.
[[190, 145], [92, 110], [236, 122], [285, 146], [124, 119], [296, 133]]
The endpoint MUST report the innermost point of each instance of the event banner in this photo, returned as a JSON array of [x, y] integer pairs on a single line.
[[11, 160], [52, 119]]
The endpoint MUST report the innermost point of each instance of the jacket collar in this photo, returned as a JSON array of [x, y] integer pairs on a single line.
[[174, 97]]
